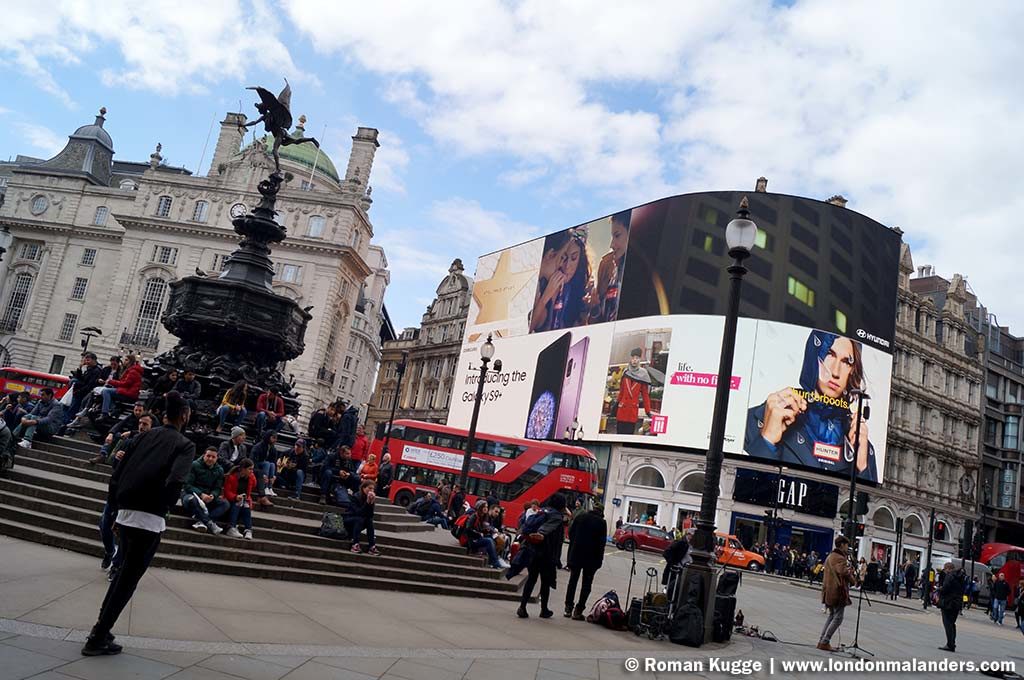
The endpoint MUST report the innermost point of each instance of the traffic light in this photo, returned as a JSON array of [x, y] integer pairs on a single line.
[[859, 530], [967, 540], [940, 530]]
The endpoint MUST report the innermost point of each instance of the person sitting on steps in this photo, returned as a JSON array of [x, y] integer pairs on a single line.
[[45, 418], [126, 425], [481, 535], [239, 486], [125, 388], [264, 457], [269, 411], [232, 406], [201, 496], [189, 388], [233, 450], [360, 516]]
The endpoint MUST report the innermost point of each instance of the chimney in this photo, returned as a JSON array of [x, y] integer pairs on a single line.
[[925, 271], [762, 185], [229, 142], [837, 200], [360, 161]]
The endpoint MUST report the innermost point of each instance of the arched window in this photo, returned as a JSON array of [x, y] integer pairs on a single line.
[[647, 476], [883, 518], [913, 525], [16, 302], [100, 218], [201, 212], [39, 205], [316, 226], [692, 483], [151, 306], [163, 206], [128, 185], [357, 238]]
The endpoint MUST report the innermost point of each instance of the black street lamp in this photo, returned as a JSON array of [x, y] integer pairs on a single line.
[[863, 411], [740, 235], [88, 333], [486, 354], [400, 370]]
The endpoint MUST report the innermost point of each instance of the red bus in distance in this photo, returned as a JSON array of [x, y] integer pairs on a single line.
[[516, 471], [15, 380], [1004, 558]]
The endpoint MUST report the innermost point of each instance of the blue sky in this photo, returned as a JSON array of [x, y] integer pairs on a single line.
[[503, 120]]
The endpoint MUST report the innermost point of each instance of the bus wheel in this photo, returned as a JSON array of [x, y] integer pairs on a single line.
[[403, 498]]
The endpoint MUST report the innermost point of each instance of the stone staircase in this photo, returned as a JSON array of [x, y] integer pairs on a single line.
[[54, 497]]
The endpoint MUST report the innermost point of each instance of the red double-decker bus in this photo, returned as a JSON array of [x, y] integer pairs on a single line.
[[15, 380], [515, 471]]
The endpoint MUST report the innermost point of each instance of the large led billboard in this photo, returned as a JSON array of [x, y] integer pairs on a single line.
[[612, 329]]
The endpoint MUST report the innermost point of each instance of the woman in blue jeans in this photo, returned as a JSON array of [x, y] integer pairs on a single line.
[[264, 456], [360, 517], [238, 488]]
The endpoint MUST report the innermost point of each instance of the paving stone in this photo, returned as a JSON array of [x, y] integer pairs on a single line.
[[311, 670], [370, 666], [69, 651], [17, 663], [252, 669], [120, 667]]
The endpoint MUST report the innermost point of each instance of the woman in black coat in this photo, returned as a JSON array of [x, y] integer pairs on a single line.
[[588, 534], [544, 565]]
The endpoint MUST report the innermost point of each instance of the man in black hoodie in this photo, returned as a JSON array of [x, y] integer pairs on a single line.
[[588, 535], [146, 485]]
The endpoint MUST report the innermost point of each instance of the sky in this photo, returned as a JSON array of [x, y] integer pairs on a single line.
[[502, 121]]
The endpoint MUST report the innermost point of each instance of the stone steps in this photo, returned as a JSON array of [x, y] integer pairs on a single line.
[[54, 497], [166, 559]]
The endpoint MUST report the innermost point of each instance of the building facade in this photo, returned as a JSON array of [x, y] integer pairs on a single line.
[[98, 240], [933, 457], [1001, 506], [432, 351]]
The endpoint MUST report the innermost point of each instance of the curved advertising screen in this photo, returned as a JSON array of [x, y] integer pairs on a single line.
[[612, 331]]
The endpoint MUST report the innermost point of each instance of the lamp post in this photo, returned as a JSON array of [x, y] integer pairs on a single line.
[[88, 333], [486, 354], [400, 370], [740, 235], [851, 516]]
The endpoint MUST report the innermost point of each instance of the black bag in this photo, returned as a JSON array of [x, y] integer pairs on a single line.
[[633, 617], [333, 526], [725, 614], [728, 582], [687, 626]]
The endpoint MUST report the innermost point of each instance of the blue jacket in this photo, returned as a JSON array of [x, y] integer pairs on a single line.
[[51, 413]]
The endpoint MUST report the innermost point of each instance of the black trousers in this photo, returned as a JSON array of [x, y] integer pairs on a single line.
[[949, 623], [588, 581], [534, 572], [624, 427], [139, 547]]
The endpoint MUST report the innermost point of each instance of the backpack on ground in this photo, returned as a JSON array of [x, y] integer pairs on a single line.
[[609, 599], [687, 626], [333, 526], [614, 618], [459, 530]]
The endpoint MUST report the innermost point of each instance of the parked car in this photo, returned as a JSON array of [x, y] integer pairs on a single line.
[[641, 537], [732, 553]]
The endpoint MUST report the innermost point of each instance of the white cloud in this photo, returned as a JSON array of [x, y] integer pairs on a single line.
[[42, 138], [908, 109], [166, 47], [389, 164]]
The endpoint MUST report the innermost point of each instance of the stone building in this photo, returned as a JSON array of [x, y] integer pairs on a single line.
[[433, 356], [97, 240], [1001, 510]]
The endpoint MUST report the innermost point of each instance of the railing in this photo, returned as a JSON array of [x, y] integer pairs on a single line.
[[325, 375], [140, 340]]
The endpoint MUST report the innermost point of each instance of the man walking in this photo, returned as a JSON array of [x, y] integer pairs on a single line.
[[951, 598], [145, 485], [835, 590], [1000, 593], [588, 534], [911, 578]]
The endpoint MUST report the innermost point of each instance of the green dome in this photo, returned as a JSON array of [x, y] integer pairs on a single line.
[[303, 154]]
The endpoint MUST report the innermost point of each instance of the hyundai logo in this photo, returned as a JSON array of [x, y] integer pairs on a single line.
[[861, 333]]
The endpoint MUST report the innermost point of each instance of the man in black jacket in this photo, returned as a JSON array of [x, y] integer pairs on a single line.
[[83, 380], [588, 534], [951, 600], [347, 427], [323, 425], [548, 542], [145, 485]]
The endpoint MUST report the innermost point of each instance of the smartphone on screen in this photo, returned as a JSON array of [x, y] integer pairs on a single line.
[[547, 389], [572, 387]]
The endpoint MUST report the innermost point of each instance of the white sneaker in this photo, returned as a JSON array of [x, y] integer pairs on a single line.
[[232, 533], [214, 529], [270, 491], [502, 564], [25, 444], [247, 535], [199, 526]]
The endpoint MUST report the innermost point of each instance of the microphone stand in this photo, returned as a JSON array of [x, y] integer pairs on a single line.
[[632, 572], [848, 649]]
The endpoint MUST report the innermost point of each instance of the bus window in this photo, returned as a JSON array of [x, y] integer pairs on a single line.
[[503, 450]]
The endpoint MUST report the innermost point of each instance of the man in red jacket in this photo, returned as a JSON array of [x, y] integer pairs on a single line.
[[361, 446], [125, 388], [270, 411]]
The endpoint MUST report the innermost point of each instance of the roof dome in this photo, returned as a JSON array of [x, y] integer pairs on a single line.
[[302, 154], [95, 131]]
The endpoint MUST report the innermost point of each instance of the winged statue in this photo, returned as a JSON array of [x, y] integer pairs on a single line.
[[277, 119]]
